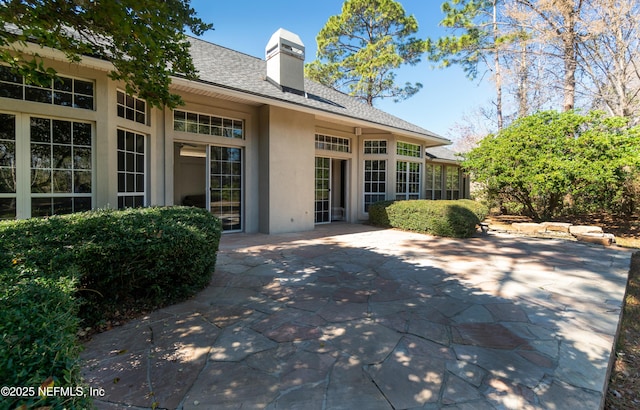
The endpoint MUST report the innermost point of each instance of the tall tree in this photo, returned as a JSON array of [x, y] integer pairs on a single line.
[[560, 23], [144, 39], [476, 41], [610, 56], [359, 49]]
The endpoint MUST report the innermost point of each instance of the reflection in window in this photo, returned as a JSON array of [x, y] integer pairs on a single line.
[[226, 186], [63, 91], [61, 166], [375, 182], [131, 169], [7, 166], [207, 124]]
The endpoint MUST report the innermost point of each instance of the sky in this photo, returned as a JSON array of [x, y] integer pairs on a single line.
[[446, 95]]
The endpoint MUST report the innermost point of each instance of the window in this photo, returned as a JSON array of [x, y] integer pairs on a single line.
[[61, 166], [453, 182], [64, 91], [226, 186], [131, 169], [408, 150], [407, 180], [7, 166], [328, 143], [131, 108], [207, 124], [375, 146], [375, 182], [323, 190], [433, 182]]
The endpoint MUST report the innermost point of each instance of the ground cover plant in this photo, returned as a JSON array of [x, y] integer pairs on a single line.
[[61, 273], [457, 219]]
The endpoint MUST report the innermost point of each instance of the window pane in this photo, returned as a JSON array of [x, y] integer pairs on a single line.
[[82, 134], [41, 95], [83, 87], [7, 208], [82, 182], [7, 153], [7, 180], [41, 207], [40, 130], [61, 132], [62, 181]]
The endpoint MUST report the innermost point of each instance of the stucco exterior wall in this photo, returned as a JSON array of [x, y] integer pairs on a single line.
[[287, 170]]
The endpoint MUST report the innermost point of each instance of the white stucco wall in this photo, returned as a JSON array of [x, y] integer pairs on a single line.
[[287, 163]]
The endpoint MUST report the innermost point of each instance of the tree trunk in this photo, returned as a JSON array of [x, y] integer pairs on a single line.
[[497, 66]]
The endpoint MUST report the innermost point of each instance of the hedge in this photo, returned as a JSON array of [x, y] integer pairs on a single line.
[[451, 218], [62, 272]]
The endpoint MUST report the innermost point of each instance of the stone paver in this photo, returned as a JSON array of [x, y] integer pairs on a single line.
[[349, 316]]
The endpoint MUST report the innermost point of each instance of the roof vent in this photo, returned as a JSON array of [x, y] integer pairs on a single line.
[[285, 60]]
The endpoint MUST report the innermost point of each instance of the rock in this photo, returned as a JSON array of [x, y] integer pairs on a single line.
[[580, 229], [528, 227], [556, 226], [605, 239]]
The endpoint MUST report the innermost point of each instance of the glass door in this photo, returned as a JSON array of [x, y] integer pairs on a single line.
[[225, 186], [323, 190]]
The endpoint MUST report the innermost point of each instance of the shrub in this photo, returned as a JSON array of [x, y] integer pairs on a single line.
[[62, 271], [456, 219]]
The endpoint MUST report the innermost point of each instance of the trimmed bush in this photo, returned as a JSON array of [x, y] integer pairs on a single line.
[[456, 219], [64, 271]]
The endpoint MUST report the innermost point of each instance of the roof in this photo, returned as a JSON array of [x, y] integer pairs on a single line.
[[442, 153], [233, 70]]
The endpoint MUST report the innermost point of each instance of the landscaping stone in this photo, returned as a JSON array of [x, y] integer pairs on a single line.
[[582, 229], [562, 227], [605, 239], [528, 227]]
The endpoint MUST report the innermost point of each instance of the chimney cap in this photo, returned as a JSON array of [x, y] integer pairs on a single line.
[[284, 40]]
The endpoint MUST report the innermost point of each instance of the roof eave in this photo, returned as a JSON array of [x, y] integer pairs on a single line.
[[181, 82]]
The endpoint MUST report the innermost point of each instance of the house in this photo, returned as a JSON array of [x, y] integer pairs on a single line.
[[262, 147]]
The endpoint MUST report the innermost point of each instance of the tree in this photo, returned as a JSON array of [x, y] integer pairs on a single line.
[[359, 49], [143, 39], [478, 43], [610, 55], [551, 161]]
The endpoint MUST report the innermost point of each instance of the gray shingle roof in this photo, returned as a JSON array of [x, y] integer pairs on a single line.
[[442, 153], [236, 71]]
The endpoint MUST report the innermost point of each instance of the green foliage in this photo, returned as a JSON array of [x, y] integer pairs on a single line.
[[150, 31], [475, 38], [138, 258], [359, 49], [38, 335], [457, 219], [63, 271], [553, 162]]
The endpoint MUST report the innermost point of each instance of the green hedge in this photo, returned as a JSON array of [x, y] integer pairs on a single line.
[[456, 219], [65, 271]]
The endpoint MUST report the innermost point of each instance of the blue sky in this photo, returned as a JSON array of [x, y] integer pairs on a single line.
[[247, 25]]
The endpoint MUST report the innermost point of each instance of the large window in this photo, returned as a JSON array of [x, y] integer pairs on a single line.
[[407, 180], [408, 150], [131, 108], [207, 124], [7, 166], [433, 181], [375, 182], [453, 182], [131, 169], [64, 91], [61, 166], [326, 142], [226, 186], [375, 146]]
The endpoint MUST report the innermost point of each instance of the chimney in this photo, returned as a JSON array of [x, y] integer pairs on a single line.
[[285, 60]]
